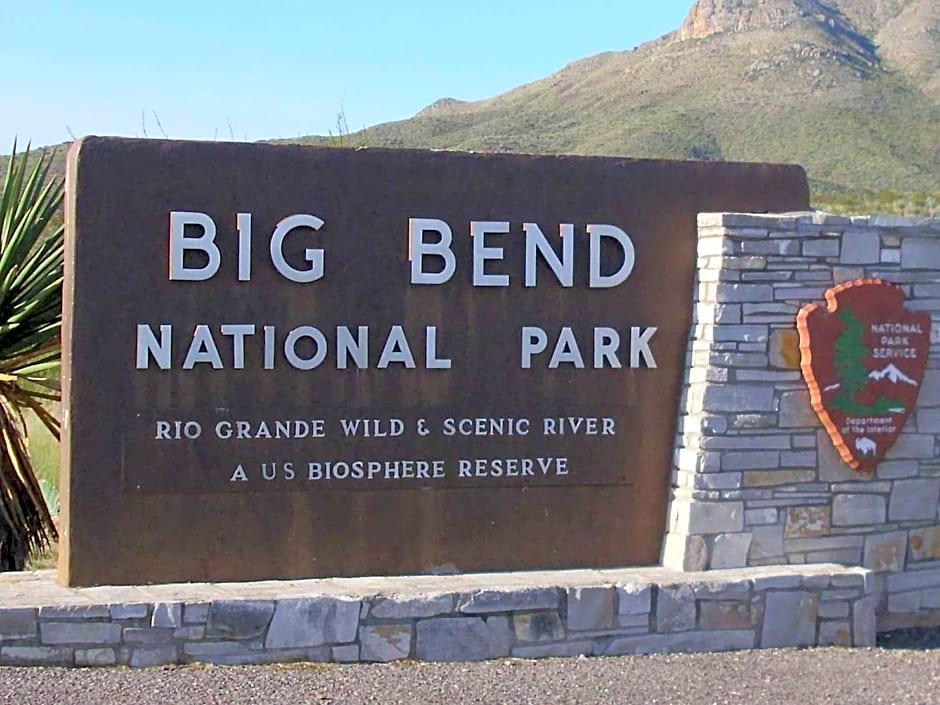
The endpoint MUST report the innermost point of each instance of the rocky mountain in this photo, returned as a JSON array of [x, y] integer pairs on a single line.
[[848, 88]]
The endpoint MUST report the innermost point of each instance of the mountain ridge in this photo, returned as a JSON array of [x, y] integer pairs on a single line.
[[826, 85], [850, 89]]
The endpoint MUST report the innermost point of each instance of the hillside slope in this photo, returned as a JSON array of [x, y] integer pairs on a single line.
[[848, 88]]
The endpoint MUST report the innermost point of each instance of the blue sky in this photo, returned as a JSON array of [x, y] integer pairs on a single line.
[[267, 69]]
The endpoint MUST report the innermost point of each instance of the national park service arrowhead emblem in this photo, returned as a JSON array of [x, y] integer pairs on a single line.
[[863, 357]]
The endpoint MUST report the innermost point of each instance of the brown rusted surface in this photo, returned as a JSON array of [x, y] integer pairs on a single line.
[[863, 359], [786, 352], [139, 509]]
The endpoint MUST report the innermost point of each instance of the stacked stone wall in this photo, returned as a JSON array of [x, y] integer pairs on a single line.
[[453, 618], [757, 481]]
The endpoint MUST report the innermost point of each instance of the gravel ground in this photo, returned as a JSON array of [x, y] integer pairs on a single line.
[[845, 676]]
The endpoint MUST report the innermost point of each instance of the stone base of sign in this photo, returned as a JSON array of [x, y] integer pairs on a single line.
[[447, 618], [757, 480]]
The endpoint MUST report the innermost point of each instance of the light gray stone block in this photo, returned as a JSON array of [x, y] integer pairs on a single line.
[[759, 517], [827, 543], [745, 442], [463, 638], [56, 633], [861, 247], [914, 499], [730, 550], [675, 608], [210, 649], [239, 619], [833, 610], [143, 636], [929, 389], [590, 608], [735, 360], [95, 657], [313, 621], [836, 633], [737, 589], [897, 469], [634, 621], [725, 615], [634, 598], [18, 623], [566, 650], [912, 445], [863, 622], [840, 275], [913, 580], [795, 410], [148, 658], [928, 421], [35, 656], [129, 611], [920, 253], [167, 614], [832, 595], [346, 653], [766, 542], [193, 632], [798, 459], [688, 642], [821, 248], [930, 599], [816, 582], [233, 653], [789, 619], [744, 293], [743, 263], [751, 333], [383, 643], [858, 509], [779, 247], [196, 612], [509, 600], [684, 552], [848, 580], [764, 583], [904, 602], [845, 556], [718, 481], [421, 606], [738, 398], [754, 460], [538, 626], [771, 376], [885, 551], [716, 517], [74, 612], [831, 466]]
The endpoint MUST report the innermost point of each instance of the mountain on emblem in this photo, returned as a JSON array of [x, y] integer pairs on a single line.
[[863, 358], [893, 374]]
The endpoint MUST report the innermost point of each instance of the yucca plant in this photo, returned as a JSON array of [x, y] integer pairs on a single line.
[[31, 260]]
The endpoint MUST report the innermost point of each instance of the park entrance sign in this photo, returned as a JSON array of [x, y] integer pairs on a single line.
[[288, 361]]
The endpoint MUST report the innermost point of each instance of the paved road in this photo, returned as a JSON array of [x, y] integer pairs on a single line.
[[844, 676]]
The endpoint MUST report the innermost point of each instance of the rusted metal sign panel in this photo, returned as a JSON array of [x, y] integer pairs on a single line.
[[288, 361]]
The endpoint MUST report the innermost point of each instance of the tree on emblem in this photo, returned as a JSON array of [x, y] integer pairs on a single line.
[[851, 352]]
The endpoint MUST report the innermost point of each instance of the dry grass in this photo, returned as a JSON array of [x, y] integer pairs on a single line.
[[44, 452]]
